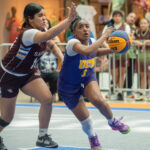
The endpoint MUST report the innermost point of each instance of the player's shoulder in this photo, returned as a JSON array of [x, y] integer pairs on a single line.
[[29, 30], [71, 42], [69, 47]]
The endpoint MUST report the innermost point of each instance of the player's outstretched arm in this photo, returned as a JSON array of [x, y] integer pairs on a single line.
[[103, 51], [88, 50], [52, 32]]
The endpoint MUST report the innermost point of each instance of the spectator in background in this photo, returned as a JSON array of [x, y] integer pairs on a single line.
[[147, 15], [48, 66], [130, 19], [142, 37], [101, 65], [12, 24], [118, 23], [104, 17], [67, 34]]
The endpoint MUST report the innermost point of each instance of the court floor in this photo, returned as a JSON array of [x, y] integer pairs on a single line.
[[66, 130]]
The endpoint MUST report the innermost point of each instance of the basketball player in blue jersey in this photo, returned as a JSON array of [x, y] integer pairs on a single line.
[[18, 71], [77, 78]]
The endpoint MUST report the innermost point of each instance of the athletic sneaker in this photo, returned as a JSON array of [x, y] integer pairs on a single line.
[[118, 125], [2, 146], [95, 144], [130, 95], [46, 141]]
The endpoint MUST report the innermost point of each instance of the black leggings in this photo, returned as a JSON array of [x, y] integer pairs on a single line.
[[130, 73], [51, 79]]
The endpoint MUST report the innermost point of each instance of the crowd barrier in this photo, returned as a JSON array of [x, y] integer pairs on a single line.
[[124, 71], [107, 77]]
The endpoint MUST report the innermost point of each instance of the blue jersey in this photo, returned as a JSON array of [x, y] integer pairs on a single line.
[[76, 73], [76, 68]]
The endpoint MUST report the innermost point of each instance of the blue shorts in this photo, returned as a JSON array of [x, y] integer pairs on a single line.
[[71, 93]]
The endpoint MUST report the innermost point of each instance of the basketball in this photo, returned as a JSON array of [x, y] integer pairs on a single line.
[[119, 41]]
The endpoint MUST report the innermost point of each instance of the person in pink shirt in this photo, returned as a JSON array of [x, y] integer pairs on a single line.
[[12, 25]]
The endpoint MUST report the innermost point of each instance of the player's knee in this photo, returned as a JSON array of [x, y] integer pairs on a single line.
[[98, 101], [47, 100], [4, 123]]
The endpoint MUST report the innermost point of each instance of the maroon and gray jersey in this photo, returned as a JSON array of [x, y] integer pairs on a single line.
[[143, 36], [24, 53]]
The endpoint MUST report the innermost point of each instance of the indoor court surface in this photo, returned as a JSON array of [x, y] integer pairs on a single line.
[[66, 130]]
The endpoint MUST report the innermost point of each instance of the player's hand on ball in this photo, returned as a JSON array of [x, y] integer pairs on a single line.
[[107, 32], [119, 41]]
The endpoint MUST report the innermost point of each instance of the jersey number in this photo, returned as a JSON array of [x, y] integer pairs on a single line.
[[84, 73]]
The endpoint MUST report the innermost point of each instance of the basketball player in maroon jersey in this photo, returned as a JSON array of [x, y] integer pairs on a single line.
[[17, 69]]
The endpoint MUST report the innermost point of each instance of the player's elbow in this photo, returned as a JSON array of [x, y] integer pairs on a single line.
[[51, 45]]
